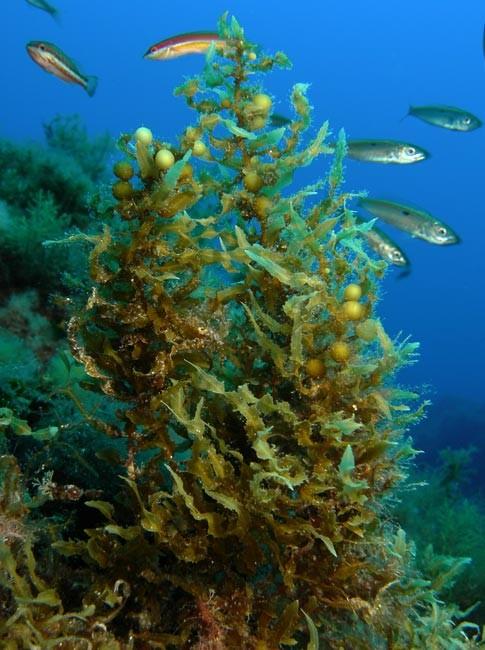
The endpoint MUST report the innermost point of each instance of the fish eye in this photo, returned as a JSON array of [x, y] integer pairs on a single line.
[[410, 151], [42, 47], [396, 255], [467, 120], [441, 231]]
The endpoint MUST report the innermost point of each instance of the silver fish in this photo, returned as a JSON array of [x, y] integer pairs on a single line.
[[446, 117], [385, 151], [383, 245], [417, 223]]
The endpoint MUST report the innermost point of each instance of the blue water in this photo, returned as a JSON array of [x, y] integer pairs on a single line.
[[366, 62]]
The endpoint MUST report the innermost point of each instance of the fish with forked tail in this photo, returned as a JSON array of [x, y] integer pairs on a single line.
[[446, 117], [417, 223]]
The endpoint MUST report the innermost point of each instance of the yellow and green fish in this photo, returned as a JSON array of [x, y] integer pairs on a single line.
[[190, 43], [52, 59], [417, 223], [45, 6]]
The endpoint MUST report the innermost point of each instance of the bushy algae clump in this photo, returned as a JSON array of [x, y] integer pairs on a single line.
[[44, 193], [256, 432], [456, 528]]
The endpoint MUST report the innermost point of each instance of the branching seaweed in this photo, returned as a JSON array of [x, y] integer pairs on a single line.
[[258, 432]]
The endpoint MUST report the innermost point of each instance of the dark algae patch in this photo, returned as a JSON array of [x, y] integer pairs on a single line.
[[240, 431]]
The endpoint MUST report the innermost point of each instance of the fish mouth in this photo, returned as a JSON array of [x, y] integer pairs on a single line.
[[34, 53], [36, 49], [151, 54], [158, 55], [422, 155], [449, 240], [402, 260]]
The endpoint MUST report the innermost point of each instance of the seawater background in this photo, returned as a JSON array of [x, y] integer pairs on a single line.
[[366, 62]]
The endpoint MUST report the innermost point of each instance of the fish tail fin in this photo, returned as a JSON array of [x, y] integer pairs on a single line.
[[407, 114], [91, 85]]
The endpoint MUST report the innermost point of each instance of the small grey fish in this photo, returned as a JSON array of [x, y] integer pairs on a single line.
[[417, 223], [45, 6], [446, 117], [383, 245], [385, 151]]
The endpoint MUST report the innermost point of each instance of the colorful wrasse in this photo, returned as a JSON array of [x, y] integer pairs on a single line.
[[190, 43], [384, 246], [53, 60], [385, 151], [417, 223], [446, 117], [45, 6]]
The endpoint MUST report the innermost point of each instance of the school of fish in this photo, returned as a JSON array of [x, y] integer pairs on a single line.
[[412, 220]]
